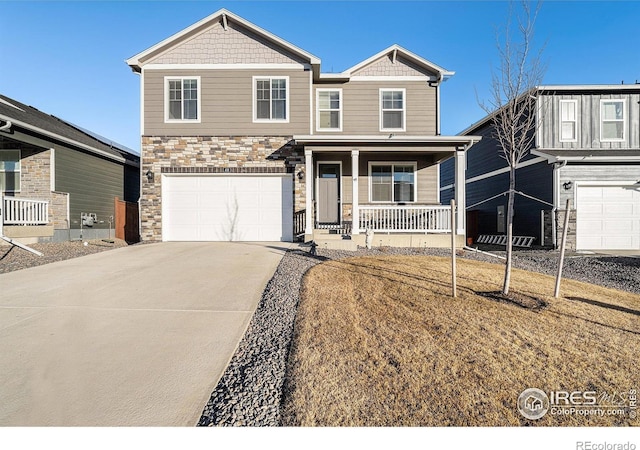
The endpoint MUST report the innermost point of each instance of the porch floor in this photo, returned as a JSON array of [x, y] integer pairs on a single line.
[[337, 241]]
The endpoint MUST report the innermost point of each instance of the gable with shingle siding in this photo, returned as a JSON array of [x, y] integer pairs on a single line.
[[385, 66], [235, 45]]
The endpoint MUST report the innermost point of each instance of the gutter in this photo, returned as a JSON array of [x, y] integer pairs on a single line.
[[466, 141], [6, 126], [64, 139]]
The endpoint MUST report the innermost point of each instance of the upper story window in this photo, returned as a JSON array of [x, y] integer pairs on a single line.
[[271, 99], [568, 120], [329, 105], [392, 182], [9, 171], [612, 126], [182, 102], [392, 109]]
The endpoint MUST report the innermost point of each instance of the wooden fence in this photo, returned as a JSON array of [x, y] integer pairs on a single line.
[[127, 221]]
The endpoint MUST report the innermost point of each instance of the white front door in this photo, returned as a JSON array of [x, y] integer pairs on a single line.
[[608, 218], [227, 208]]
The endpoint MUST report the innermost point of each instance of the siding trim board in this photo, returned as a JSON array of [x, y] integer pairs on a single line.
[[240, 66], [390, 78], [598, 157], [497, 172]]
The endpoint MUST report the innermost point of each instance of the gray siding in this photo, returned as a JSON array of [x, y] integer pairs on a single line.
[[588, 127], [226, 104], [606, 173], [92, 184], [361, 107], [131, 184]]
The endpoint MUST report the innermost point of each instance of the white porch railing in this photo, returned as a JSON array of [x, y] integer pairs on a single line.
[[417, 219], [20, 211]]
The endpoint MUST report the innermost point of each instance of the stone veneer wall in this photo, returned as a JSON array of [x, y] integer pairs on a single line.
[[571, 236], [35, 184], [211, 154]]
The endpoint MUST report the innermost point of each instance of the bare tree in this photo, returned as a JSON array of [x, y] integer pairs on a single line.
[[512, 101]]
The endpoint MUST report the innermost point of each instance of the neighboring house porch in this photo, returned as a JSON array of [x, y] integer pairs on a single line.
[[60, 182]]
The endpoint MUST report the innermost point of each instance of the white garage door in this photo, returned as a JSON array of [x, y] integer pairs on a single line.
[[227, 208], [608, 218]]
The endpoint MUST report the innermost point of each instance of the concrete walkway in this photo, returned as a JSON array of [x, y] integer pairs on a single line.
[[136, 336]]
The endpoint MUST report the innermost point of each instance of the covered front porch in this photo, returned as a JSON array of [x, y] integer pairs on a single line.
[[388, 187]]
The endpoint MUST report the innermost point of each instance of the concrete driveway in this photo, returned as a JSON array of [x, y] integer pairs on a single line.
[[130, 337]]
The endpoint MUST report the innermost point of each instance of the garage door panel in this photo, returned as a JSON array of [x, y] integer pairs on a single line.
[[223, 208], [592, 208], [608, 218], [621, 209]]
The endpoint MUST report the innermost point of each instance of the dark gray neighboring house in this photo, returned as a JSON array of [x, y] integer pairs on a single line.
[[52, 173], [587, 149]]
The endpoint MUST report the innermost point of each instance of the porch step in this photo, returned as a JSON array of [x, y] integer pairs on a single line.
[[495, 239], [337, 244]]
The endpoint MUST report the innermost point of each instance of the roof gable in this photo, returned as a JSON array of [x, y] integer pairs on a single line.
[[222, 38], [396, 61], [386, 66]]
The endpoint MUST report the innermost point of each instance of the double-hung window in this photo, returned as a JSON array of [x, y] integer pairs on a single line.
[[568, 120], [329, 116], [392, 182], [612, 124], [392, 109], [9, 171], [271, 99], [182, 102]]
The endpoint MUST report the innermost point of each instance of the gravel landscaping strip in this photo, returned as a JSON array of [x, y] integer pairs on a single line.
[[250, 391], [14, 258]]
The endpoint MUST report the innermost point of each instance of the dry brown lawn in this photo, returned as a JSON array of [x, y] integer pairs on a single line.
[[379, 341]]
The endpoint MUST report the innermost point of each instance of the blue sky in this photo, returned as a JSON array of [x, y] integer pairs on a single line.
[[67, 58]]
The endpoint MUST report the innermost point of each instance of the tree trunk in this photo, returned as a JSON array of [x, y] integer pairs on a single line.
[[507, 268]]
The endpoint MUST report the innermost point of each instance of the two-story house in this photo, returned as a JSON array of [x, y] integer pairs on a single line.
[[245, 138], [586, 149]]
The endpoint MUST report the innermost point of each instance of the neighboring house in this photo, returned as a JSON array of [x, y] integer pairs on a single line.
[[52, 172], [244, 138], [587, 149]]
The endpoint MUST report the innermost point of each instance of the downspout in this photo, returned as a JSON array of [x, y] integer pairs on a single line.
[[6, 126], [439, 82]]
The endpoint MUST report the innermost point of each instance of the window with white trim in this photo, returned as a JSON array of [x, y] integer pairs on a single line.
[[392, 183], [612, 126], [392, 109], [271, 99], [10, 170], [568, 120], [329, 109], [182, 102]]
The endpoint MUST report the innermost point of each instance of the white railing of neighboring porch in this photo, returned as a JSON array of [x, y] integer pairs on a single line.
[[19, 211], [417, 219]]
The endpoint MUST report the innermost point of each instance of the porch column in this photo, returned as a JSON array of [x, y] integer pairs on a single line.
[[355, 207], [460, 191], [308, 163]]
